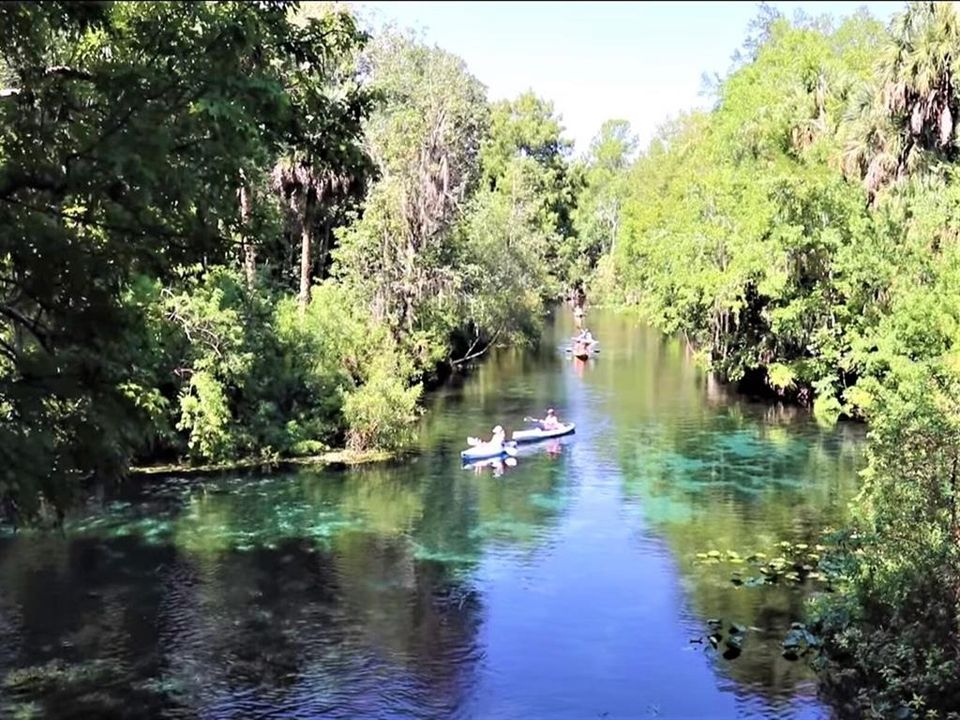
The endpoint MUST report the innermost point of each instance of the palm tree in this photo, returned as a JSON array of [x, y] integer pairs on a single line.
[[310, 194], [873, 145], [906, 126]]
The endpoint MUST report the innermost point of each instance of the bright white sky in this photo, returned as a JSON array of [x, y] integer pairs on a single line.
[[596, 60]]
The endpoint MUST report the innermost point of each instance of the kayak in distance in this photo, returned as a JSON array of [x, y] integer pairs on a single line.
[[537, 434]]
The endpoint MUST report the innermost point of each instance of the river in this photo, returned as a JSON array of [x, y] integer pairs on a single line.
[[567, 585]]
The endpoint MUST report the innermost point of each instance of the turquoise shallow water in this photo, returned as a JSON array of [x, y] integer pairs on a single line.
[[563, 586]]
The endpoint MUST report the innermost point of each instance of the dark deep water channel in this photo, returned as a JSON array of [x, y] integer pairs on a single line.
[[566, 587]]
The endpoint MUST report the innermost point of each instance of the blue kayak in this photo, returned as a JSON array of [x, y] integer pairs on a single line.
[[537, 434], [483, 451]]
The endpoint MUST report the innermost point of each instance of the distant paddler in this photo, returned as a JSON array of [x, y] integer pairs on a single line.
[[550, 422], [585, 337]]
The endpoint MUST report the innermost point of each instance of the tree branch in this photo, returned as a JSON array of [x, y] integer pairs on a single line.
[[8, 351], [478, 353], [11, 182], [65, 71], [35, 328]]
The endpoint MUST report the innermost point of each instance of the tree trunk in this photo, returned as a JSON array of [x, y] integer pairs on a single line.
[[249, 249], [955, 526], [306, 257], [324, 249]]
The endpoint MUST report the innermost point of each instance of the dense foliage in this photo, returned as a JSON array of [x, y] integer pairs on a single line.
[[233, 230], [247, 230], [802, 235]]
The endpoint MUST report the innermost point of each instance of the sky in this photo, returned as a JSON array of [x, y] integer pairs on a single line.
[[641, 61]]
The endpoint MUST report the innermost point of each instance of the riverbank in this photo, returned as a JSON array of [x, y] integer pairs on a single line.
[[331, 458]]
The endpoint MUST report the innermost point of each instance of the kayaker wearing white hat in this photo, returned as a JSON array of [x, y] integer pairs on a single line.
[[499, 438]]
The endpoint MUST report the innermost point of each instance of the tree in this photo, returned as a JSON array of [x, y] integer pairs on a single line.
[[310, 199], [529, 128], [425, 142], [123, 129], [742, 232], [597, 219], [905, 123], [505, 274], [317, 180]]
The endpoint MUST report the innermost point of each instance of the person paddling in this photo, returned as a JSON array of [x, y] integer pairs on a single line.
[[551, 421], [585, 337]]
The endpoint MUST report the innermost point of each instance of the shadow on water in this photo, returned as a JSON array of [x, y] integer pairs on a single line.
[[564, 586]]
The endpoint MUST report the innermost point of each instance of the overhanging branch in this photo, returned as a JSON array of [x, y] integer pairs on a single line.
[[471, 355]]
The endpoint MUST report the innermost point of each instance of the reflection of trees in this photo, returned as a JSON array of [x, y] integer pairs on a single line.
[[84, 613], [339, 589], [248, 630], [414, 614], [711, 471], [361, 608]]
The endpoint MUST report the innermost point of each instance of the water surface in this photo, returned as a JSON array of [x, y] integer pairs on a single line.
[[564, 586]]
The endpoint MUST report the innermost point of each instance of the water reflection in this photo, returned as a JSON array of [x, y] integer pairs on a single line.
[[726, 474], [496, 466], [123, 627], [561, 585]]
